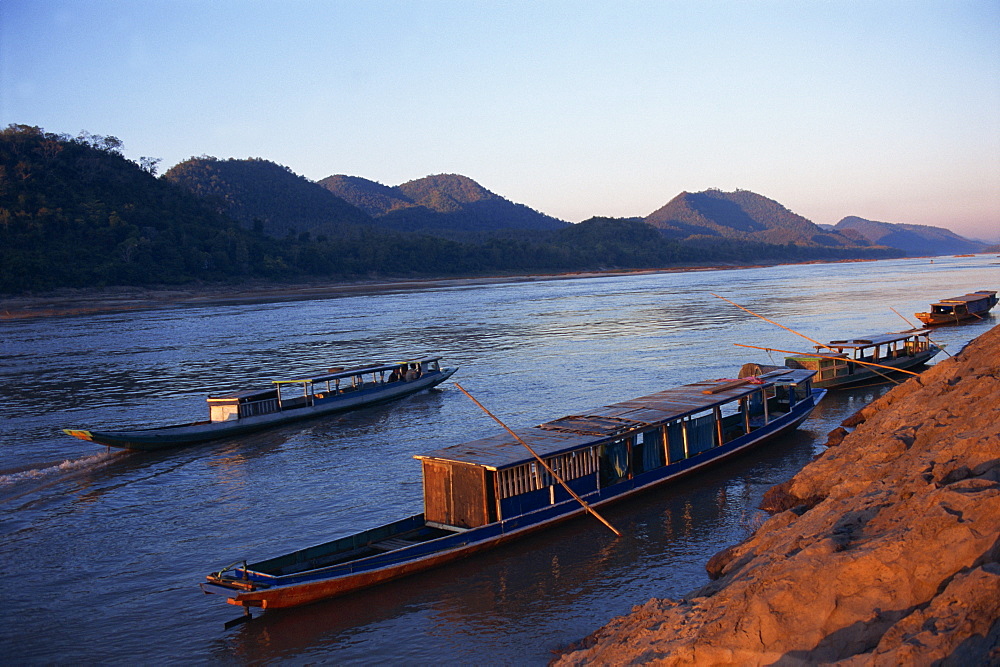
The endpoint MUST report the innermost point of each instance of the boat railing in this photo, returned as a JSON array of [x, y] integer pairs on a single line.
[[254, 408], [230, 568]]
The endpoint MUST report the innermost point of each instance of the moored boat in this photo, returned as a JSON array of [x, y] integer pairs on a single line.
[[252, 410], [487, 492], [842, 363], [973, 306]]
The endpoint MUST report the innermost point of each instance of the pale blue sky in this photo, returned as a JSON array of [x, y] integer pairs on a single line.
[[882, 109]]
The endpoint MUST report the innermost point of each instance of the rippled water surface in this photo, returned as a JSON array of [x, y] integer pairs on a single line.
[[102, 551]]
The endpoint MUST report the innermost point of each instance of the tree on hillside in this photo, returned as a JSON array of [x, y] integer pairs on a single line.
[[77, 213]]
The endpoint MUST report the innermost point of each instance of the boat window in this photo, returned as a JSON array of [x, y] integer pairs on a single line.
[[647, 454], [733, 420], [700, 433], [675, 442], [515, 481], [802, 391], [614, 462], [532, 477], [783, 400], [756, 410]]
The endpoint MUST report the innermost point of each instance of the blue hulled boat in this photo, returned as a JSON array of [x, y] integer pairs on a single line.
[[487, 492], [337, 390]]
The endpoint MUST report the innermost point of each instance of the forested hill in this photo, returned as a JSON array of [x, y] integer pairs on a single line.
[[262, 193], [741, 215], [439, 203], [75, 213], [371, 197], [913, 239]]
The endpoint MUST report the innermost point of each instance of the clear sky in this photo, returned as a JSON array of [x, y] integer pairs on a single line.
[[888, 110]]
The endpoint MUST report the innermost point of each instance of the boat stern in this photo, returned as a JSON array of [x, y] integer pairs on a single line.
[[230, 587]]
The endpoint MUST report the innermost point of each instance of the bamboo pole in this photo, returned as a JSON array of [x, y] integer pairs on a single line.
[[814, 342], [940, 347], [540, 460], [827, 356], [903, 318]]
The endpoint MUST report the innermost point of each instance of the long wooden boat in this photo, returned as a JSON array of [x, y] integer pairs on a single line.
[[957, 309], [487, 492], [254, 410], [842, 363]]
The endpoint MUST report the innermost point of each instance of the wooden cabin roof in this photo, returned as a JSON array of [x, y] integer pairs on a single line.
[[245, 395], [877, 339], [605, 422], [967, 298], [356, 370]]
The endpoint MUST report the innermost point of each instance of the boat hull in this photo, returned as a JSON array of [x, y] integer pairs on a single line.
[[265, 591], [199, 432], [858, 373], [934, 320]]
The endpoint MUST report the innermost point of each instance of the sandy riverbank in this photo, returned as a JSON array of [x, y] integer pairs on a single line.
[[885, 550]]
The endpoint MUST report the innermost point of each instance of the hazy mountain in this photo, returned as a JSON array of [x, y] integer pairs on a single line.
[[443, 202], [912, 239], [741, 215], [258, 191]]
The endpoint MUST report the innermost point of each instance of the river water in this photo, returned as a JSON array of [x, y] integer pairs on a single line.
[[102, 552]]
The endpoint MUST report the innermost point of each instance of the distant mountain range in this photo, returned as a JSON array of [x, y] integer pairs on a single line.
[[74, 212], [440, 202], [915, 240], [262, 193]]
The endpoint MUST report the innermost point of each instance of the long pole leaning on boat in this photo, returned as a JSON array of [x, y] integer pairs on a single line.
[[545, 465], [827, 356], [940, 347], [814, 342]]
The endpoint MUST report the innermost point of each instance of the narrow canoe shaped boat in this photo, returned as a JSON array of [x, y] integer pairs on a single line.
[[957, 309], [487, 492], [842, 363], [254, 410]]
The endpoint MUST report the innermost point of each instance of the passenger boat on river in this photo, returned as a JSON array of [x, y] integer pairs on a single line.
[[842, 363], [972, 306], [487, 492], [252, 410]]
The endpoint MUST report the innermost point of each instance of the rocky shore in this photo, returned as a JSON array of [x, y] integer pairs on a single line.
[[882, 551]]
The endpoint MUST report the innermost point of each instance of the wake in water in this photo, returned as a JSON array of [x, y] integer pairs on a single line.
[[15, 482]]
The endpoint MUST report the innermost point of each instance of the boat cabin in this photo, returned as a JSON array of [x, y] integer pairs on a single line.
[[629, 443], [240, 404], [963, 306], [839, 355], [315, 390]]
